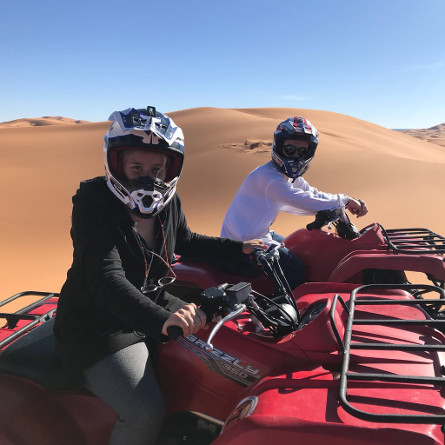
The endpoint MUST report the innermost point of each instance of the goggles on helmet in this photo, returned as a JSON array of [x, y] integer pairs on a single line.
[[291, 151]]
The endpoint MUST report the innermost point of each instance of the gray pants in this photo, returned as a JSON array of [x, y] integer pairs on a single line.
[[126, 382]]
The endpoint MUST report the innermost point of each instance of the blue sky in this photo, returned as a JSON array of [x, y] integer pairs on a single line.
[[378, 60]]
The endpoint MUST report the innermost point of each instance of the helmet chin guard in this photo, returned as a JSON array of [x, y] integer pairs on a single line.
[[146, 130], [293, 168], [150, 195]]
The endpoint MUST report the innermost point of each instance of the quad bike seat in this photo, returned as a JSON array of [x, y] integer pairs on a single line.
[[32, 356]]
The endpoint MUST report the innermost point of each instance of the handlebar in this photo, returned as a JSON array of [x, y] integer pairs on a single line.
[[323, 218], [344, 227], [221, 300], [275, 314], [278, 314]]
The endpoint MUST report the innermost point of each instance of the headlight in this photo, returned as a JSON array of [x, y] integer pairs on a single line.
[[244, 409]]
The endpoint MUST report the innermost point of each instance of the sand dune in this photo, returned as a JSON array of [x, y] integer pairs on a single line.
[[40, 122], [435, 134], [400, 177]]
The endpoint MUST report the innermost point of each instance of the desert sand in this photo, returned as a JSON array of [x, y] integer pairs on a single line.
[[434, 134], [399, 176], [40, 122]]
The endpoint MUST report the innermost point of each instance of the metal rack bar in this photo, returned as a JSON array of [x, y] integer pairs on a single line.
[[46, 296], [24, 329], [12, 318], [414, 240], [346, 375], [337, 297], [397, 347], [381, 302], [396, 378], [398, 322]]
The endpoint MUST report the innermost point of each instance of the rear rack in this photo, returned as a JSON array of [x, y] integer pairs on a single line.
[[348, 345], [13, 318], [414, 241]]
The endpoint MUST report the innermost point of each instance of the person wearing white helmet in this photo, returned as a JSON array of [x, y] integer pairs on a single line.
[[126, 228], [279, 186]]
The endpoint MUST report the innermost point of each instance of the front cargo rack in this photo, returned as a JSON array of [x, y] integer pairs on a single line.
[[414, 241], [347, 345], [31, 315]]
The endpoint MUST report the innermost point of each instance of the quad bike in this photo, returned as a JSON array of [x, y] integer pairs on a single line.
[[348, 362], [370, 256]]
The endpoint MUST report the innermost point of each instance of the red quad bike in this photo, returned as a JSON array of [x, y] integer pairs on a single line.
[[344, 358], [372, 255]]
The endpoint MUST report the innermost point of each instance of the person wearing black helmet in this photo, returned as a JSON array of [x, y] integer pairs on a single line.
[[279, 186], [126, 228]]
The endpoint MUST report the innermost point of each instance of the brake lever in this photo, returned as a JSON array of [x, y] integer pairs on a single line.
[[342, 216], [230, 316], [270, 253]]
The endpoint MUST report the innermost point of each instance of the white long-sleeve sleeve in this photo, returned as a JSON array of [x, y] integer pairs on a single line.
[[300, 198], [263, 194]]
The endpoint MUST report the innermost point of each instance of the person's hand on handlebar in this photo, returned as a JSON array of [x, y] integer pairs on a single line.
[[254, 244], [189, 318], [357, 207]]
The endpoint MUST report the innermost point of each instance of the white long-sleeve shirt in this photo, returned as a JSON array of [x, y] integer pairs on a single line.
[[263, 194]]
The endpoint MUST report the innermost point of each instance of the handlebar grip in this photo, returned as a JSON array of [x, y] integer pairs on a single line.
[[173, 332], [315, 225]]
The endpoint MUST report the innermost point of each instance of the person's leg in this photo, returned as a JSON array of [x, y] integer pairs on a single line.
[[293, 267], [276, 236], [125, 381]]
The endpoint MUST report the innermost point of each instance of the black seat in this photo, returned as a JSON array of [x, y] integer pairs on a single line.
[[33, 357]]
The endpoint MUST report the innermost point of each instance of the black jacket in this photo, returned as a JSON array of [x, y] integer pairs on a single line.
[[101, 308]]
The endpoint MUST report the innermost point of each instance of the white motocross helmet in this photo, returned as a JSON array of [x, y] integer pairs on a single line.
[[143, 129]]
